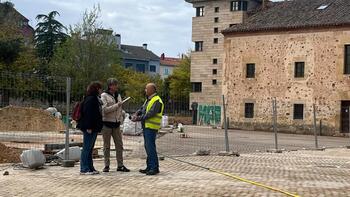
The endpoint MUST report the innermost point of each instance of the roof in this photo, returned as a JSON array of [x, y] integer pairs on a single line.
[[170, 61], [196, 1], [297, 14], [137, 53], [14, 11]]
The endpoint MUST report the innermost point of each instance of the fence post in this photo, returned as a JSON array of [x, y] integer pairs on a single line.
[[315, 127], [225, 124], [274, 109], [68, 89]]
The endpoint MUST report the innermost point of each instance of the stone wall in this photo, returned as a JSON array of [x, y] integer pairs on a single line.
[[274, 55], [202, 62]]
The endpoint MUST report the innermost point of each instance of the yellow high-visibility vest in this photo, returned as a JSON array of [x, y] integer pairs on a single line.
[[155, 121]]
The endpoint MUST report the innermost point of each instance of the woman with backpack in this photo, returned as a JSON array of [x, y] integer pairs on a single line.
[[90, 123]]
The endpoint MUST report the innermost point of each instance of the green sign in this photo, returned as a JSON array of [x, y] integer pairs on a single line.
[[209, 114]]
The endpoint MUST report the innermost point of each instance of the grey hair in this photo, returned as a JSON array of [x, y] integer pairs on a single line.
[[111, 81]]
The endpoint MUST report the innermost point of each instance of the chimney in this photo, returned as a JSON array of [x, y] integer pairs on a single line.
[[162, 57], [144, 46], [118, 39]]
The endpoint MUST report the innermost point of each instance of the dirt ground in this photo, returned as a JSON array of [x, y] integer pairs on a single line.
[[15, 118], [9, 155]]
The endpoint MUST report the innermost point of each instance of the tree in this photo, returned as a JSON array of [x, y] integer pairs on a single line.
[[179, 81], [48, 35], [86, 56]]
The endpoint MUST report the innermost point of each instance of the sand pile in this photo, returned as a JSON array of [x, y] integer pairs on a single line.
[[9, 155], [14, 118]]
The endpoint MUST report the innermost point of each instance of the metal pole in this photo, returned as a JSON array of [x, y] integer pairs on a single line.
[[67, 118], [315, 127], [225, 125], [320, 127], [274, 108], [349, 120]]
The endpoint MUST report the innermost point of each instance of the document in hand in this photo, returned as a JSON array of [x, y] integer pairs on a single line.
[[126, 100]]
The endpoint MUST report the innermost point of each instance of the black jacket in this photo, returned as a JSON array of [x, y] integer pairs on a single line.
[[91, 114]]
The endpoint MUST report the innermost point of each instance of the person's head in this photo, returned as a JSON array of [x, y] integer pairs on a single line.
[[151, 88], [94, 89], [112, 85]]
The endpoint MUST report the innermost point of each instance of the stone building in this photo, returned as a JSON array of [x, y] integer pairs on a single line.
[[296, 51], [211, 17]]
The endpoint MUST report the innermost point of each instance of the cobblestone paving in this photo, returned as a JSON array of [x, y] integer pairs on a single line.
[[307, 173]]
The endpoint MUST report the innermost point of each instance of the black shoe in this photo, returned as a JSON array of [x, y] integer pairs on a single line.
[[152, 172], [123, 169], [106, 169], [143, 171]]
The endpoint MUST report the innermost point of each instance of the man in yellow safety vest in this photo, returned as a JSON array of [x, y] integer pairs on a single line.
[[150, 115]]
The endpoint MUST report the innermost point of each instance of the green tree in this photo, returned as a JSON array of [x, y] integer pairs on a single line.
[[87, 55], [179, 81], [49, 34]]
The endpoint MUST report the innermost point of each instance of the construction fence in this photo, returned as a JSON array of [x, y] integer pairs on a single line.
[[35, 113]]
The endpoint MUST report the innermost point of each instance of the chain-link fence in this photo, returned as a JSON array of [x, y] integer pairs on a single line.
[[34, 114]]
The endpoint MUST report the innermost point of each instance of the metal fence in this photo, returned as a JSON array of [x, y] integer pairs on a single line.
[[26, 123]]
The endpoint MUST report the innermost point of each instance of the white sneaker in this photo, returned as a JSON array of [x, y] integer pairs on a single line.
[[86, 173]]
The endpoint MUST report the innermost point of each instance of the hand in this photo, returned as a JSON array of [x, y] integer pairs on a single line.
[[89, 131], [134, 118], [119, 104]]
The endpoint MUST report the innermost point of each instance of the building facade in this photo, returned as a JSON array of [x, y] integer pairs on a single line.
[[141, 59], [212, 17], [167, 65], [297, 52]]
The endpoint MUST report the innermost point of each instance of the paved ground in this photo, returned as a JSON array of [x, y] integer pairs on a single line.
[[307, 173], [199, 138], [240, 141]]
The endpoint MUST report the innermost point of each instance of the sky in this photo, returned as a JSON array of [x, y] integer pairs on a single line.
[[165, 25]]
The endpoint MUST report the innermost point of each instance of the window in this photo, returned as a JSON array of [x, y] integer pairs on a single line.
[[215, 61], [216, 9], [216, 40], [214, 82], [249, 110], [196, 87], [216, 19], [347, 60], [128, 65], [152, 68], [298, 112], [141, 68], [166, 71], [239, 5], [199, 11], [250, 72], [299, 69], [216, 30], [215, 71], [199, 46]]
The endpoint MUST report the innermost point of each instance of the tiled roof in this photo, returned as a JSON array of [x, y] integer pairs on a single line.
[[168, 61], [195, 1], [297, 14], [137, 53]]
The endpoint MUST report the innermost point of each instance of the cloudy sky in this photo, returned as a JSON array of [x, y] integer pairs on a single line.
[[164, 24]]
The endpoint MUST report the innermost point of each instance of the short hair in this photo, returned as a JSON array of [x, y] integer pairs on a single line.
[[153, 85], [111, 81], [92, 89]]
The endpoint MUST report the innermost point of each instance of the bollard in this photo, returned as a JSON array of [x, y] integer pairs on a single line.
[[315, 127], [225, 125]]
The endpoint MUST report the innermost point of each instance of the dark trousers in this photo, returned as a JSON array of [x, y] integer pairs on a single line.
[[150, 136], [86, 162]]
